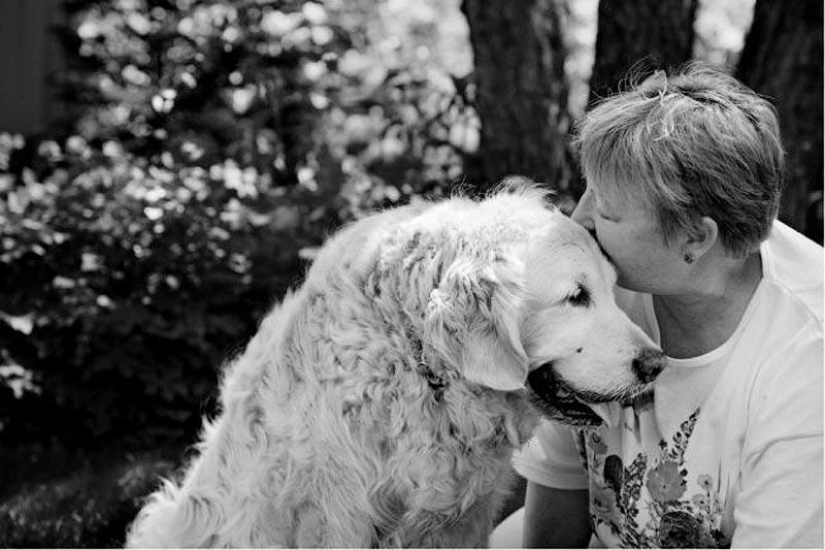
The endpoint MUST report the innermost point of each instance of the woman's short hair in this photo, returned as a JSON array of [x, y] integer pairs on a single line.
[[693, 144]]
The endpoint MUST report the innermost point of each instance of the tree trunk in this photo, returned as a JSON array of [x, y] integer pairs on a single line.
[[643, 35], [521, 92], [782, 60]]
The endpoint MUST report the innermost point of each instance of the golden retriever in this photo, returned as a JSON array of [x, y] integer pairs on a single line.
[[379, 404]]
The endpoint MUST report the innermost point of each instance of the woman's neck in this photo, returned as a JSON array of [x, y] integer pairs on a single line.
[[706, 316]]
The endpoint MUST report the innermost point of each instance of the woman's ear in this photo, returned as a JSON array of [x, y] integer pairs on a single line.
[[701, 237]]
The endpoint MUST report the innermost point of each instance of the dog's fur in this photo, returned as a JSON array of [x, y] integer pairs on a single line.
[[379, 404]]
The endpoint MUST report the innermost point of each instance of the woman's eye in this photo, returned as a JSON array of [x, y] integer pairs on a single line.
[[579, 298]]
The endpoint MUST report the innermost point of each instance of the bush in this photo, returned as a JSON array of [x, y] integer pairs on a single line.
[[134, 281]]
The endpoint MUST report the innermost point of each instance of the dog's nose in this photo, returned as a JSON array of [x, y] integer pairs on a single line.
[[648, 364]]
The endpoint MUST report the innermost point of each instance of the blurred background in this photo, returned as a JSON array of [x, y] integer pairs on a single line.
[[169, 167]]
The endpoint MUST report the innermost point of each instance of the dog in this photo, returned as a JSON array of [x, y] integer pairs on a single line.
[[379, 404]]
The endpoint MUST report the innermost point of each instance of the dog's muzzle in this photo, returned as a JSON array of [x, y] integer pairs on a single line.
[[559, 402]]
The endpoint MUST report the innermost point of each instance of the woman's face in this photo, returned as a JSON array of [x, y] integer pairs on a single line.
[[630, 236]]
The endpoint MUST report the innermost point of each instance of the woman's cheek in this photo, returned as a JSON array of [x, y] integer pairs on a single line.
[[606, 239]]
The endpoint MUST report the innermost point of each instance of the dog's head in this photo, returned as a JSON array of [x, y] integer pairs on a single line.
[[582, 347], [515, 296]]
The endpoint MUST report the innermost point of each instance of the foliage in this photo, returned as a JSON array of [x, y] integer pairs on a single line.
[[213, 145], [135, 280], [720, 30]]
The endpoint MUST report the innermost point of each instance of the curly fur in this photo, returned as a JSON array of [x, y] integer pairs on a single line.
[[379, 404]]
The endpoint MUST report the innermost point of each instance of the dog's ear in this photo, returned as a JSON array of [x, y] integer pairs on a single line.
[[473, 321]]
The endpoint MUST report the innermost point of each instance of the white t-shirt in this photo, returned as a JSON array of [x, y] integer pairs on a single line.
[[729, 450]]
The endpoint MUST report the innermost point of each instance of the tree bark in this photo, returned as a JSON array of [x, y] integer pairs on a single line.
[[643, 35], [782, 60], [521, 92]]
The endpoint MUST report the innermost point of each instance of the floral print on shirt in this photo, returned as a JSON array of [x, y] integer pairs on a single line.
[[653, 502]]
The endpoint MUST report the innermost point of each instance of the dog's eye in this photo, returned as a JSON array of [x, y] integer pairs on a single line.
[[580, 298]]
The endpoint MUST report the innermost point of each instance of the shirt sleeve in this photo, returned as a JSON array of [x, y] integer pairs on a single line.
[[780, 504], [551, 458]]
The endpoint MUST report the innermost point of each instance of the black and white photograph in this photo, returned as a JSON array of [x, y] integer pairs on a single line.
[[411, 274]]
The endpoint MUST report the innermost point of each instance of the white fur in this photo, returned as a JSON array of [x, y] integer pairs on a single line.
[[379, 404]]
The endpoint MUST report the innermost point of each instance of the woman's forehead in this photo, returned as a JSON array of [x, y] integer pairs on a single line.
[[624, 199], [618, 179], [615, 192]]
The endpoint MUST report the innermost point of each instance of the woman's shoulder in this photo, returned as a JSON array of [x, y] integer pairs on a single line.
[[780, 346], [782, 336], [793, 269]]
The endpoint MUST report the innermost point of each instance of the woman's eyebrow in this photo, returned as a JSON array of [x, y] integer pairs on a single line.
[[603, 207]]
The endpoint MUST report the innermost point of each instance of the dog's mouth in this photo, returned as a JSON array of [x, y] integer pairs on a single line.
[[558, 401]]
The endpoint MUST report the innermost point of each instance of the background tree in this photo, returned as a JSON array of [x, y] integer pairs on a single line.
[[643, 34], [521, 94], [782, 60]]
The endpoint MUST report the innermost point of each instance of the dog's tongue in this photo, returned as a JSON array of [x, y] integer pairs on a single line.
[[610, 413]]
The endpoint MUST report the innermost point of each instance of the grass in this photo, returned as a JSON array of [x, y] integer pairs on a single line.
[[90, 507]]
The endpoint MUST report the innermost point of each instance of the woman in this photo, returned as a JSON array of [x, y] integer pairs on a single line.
[[683, 182]]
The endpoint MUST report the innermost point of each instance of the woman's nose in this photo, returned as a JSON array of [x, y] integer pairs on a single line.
[[583, 213]]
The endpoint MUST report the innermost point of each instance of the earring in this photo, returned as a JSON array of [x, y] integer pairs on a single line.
[[689, 257]]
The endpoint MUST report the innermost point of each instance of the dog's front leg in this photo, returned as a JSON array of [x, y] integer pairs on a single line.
[[471, 530]]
